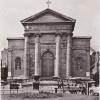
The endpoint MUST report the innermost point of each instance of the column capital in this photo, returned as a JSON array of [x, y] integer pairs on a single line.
[[26, 37], [27, 34], [10, 50], [69, 34], [37, 35], [58, 34]]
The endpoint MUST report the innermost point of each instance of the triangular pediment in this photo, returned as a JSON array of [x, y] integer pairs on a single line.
[[47, 16]]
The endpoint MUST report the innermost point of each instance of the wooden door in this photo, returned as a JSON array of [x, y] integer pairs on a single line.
[[47, 64]]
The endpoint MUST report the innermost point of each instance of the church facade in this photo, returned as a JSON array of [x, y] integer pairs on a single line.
[[48, 48]]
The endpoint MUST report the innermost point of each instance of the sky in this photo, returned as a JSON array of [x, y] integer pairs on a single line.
[[86, 13]]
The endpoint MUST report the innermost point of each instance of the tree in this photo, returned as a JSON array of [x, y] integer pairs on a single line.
[[96, 78], [4, 73], [92, 61]]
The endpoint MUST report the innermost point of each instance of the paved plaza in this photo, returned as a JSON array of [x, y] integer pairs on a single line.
[[6, 94], [67, 97]]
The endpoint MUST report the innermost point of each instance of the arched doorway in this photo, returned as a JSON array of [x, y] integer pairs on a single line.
[[47, 64]]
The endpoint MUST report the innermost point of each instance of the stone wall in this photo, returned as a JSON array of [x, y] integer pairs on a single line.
[[15, 50], [80, 56]]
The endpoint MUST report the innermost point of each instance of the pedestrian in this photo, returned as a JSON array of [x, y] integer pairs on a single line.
[[84, 90]]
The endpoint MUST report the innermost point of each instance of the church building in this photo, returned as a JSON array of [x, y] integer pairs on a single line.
[[48, 48]]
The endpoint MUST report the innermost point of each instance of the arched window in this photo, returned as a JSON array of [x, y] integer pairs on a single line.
[[18, 63]]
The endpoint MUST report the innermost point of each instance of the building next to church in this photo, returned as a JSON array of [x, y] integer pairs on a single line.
[[48, 48]]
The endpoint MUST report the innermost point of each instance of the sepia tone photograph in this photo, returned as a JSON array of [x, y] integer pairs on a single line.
[[49, 49]]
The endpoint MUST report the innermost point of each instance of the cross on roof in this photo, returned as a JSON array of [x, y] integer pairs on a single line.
[[48, 3]]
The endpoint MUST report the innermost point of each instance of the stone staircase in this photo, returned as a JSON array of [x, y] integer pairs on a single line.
[[46, 84]]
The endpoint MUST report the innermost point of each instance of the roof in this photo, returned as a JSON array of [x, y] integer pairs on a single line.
[[48, 11]]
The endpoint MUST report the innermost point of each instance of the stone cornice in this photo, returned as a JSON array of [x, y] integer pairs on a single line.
[[39, 23], [15, 48], [50, 32], [15, 38], [80, 48], [82, 37]]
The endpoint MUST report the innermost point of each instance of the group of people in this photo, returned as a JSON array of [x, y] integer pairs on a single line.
[[74, 88]]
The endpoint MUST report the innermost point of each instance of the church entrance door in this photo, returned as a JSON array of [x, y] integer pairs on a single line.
[[47, 64]]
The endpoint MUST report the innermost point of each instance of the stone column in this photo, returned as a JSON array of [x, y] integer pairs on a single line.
[[37, 41], [68, 55], [56, 70], [25, 57]]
